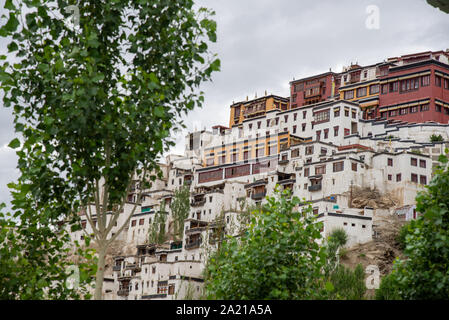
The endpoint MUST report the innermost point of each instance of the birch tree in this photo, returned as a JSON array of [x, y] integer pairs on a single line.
[[95, 88]]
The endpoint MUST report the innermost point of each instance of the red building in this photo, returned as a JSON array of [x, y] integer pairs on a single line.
[[415, 88], [314, 89]]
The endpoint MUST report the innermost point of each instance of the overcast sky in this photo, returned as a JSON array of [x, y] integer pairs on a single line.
[[264, 44]]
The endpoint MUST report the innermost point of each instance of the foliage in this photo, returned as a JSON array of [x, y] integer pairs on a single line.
[[424, 274], [95, 101], [348, 284], [180, 208], [436, 138], [387, 289], [34, 261], [400, 238], [336, 240], [278, 257], [157, 232]]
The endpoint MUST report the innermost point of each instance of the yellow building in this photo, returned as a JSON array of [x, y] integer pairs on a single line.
[[241, 111], [247, 149], [365, 93]]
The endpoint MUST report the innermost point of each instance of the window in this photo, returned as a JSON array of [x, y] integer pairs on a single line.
[[304, 127], [246, 155], [153, 270], [259, 123], [425, 107], [320, 169], [392, 113], [409, 85], [318, 135], [171, 289], [354, 166], [273, 150], [133, 223], [210, 162], [374, 89], [326, 133], [260, 152], [394, 86], [446, 83], [306, 172], [295, 153], [414, 109], [323, 151], [361, 92], [322, 116], [354, 114], [425, 81], [422, 179], [422, 163], [390, 162], [294, 129], [389, 177], [414, 177], [398, 177], [295, 116], [234, 157], [338, 166], [346, 113], [414, 162], [309, 150], [141, 221], [437, 108], [384, 88], [336, 131], [403, 111], [347, 132], [438, 81], [304, 114], [349, 94]]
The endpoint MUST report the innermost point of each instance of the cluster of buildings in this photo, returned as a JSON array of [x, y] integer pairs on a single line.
[[380, 127]]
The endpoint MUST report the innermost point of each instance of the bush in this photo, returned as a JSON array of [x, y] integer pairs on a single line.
[[387, 289], [436, 138], [400, 238], [348, 284]]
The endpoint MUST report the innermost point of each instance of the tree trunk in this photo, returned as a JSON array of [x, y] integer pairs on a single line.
[[100, 273]]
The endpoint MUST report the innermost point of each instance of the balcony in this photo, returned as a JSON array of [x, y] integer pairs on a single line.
[[315, 187], [123, 292], [259, 196], [193, 245], [116, 268], [283, 161], [155, 296], [195, 230], [197, 203]]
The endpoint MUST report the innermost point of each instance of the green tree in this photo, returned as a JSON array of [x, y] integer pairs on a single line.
[[95, 101], [35, 261], [180, 208], [157, 233], [278, 257], [424, 273]]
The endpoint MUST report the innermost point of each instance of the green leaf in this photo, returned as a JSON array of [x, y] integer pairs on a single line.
[[15, 143]]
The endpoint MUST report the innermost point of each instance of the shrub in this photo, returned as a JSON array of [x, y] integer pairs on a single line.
[[387, 289], [436, 138], [348, 284]]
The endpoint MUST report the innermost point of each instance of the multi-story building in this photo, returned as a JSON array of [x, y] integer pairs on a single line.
[[321, 144]]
